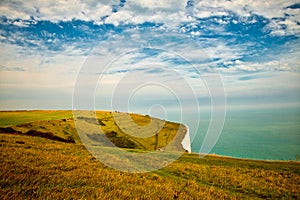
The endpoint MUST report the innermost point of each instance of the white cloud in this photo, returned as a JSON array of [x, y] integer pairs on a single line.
[[169, 5], [43, 69], [169, 12], [266, 8], [271, 66], [121, 16], [55, 10]]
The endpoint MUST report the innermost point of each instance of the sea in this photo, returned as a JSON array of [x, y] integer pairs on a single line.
[[263, 134]]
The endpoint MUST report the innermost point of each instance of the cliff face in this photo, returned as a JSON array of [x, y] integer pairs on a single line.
[[186, 142]]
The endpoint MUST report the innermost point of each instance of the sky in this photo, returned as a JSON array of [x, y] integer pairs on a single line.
[[149, 54]]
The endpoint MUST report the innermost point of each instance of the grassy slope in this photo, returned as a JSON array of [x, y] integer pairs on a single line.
[[42, 168], [8, 118], [60, 123]]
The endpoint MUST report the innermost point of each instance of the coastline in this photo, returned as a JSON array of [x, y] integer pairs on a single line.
[[244, 159], [186, 143]]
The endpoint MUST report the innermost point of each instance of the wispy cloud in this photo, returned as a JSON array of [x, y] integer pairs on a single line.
[[238, 39], [17, 69]]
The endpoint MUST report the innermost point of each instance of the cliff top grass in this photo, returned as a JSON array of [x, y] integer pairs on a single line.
[[61, 124], [34, 167]]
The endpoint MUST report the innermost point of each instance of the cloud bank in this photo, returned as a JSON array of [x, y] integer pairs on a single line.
[[252, 44]]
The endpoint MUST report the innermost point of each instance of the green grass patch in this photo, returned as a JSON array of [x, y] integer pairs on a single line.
[[9, 118]]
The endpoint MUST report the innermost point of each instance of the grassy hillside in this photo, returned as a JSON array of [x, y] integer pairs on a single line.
[[8, 118], [45, 168], [61, 124]]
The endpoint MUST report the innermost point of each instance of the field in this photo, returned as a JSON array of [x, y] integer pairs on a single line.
[[56, 165]]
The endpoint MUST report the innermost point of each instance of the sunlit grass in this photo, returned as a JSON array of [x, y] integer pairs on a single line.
[[41, 168], [8, 118], [61, 123], [35, 167]]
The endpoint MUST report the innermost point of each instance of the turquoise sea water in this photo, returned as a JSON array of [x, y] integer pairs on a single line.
[[268, 134]]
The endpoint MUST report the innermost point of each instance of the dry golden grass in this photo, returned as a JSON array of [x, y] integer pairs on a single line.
[[61, 124], [39, 168]]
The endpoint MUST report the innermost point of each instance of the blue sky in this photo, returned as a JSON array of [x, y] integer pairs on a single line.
[[253, 45]]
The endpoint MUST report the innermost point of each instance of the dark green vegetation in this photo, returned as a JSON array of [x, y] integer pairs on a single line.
[[46, 167]]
